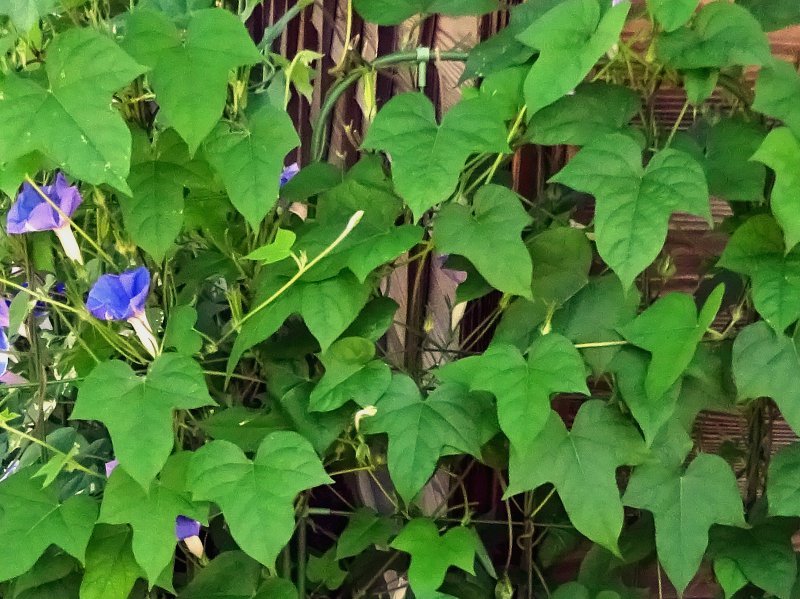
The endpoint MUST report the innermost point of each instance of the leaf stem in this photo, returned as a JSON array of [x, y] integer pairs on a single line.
[[677, 124], [499, 159], [39, 297], [601, 344], [351, 224], [74, 464], [319, 134]]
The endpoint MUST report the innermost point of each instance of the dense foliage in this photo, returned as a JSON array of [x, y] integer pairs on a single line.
[[208, 388]]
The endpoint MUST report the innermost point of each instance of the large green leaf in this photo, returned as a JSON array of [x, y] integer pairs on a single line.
[[757, 250], [685, 503], [774, 14], [634, 204], [154, 213], [496, 214], [180, 333], [151, 513], [35, 518], [365, 529], [783, 483], [777, 87], [243, 426], [249, 160], [781, 152], [504, 50], [327, 307], [351, 374], [422, 430], [54, 576], [670, 330], [427, 158], [138, 411], [707, 383], [190, 68], [570, 38], [725, 150], [111, 569], [320, 428], [504, 89], [672, 14], [575, 590], [763, 554], [392, 12], [522, 387], [432, 555], [630, 368], [721, 35], [595, 109], [324, 570], [594, 315], [25, 13], [230, 575], [586, 457], [276, 588], [71, 120], [765, 364], [256, 497], [521, 323], [562, 257]]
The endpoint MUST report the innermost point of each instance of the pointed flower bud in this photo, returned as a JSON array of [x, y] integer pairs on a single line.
[[110, 466], [288, 173]]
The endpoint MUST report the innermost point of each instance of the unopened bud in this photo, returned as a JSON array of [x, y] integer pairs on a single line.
[[367, 412]]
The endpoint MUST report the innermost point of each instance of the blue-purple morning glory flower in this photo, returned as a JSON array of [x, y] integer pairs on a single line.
[[58, 292], [123, 297], [288, 173], [119, 297], [10, 469], [457, 276], [186, 527], [4, 347], [188, 531], [110, 467], [31, 212]]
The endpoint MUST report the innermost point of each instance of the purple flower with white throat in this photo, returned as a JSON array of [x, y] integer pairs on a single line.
[[288, 173], [4, 352], [123, 297], [188, 531], [186, 527], [3, 314], [47, 208]]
